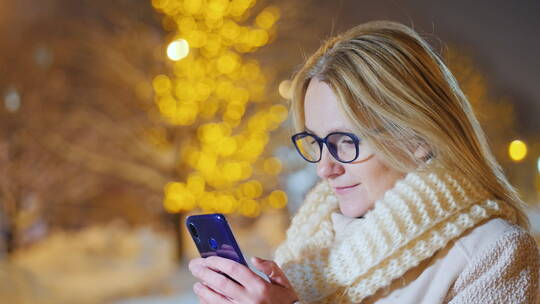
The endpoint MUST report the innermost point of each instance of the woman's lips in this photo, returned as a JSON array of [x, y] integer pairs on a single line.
[[344, 190]]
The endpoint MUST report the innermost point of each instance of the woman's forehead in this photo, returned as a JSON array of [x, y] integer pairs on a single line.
[[322, 112]]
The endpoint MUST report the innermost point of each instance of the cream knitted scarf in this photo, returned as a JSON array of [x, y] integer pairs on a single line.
[[418, 216]]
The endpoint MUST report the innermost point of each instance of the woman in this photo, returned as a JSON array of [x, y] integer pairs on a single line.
[[412, 206]]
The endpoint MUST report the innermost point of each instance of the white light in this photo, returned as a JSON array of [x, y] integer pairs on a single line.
[[538, 164], [12, 100], [285, 89], [178, 49], [43, 57]]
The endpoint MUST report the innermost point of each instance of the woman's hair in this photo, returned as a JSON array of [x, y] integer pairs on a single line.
[[401, 97]]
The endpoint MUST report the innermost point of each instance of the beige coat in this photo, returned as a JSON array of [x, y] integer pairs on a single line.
[[495, 262]]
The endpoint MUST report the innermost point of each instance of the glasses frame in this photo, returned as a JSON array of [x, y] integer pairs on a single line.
[[324, 141]]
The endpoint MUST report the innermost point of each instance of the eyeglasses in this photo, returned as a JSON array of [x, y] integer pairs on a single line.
[[343, 146]]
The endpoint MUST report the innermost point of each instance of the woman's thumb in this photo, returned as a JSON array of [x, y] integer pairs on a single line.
[[272, 270]]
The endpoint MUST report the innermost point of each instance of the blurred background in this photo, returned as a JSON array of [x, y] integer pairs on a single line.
[[120, 118]]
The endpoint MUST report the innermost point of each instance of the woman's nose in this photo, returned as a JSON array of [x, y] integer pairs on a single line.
[[328, 166]]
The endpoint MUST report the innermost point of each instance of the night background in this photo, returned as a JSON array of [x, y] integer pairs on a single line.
[[120, 118]]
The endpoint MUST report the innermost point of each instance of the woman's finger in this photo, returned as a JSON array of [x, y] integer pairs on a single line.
[[216, 281], [195, 262], [207, 295], [240, 273], [272, 270]]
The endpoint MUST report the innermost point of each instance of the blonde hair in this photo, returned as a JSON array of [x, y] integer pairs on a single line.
[[401, 96]]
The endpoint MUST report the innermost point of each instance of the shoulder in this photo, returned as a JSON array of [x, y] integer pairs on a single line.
[[502, 263], [492, 235]]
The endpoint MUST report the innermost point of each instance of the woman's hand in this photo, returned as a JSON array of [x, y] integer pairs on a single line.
[[251, 288]]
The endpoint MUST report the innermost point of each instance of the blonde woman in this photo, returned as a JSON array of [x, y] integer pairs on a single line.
[[412, 206]]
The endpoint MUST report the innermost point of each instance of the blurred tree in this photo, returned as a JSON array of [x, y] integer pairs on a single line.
[[76, 118], [216, 94], [82, 138]]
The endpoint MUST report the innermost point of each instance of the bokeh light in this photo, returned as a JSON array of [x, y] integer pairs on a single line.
[[517, 150], [12, 100], [178, 49], [285, 89]]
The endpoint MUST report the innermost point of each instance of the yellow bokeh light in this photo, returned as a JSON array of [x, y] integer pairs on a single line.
[[209, 108], [249, 207], [227, 146], [278, 113], [252, 189], [187, 24], [178, 49], [224, 89], [277, 199], [258, 37], [238, 7], [167, 106], [226, 203], [184, 90], [234, 111], [517, 150], [228, 62], [211, 132], [192, 7], [215, 9], [265, 20], [191, 155], [239, 95], [272, 166], [196, 38], [213, 44], [207, 201], [161, 84], [206, 163], [247, 170], [178, 198], [230, 30], [232, 171], [196, 184]]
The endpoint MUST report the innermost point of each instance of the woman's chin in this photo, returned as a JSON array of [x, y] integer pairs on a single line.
[[352, 211]]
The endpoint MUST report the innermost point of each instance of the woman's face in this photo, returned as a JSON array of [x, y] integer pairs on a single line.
[[360, 183]]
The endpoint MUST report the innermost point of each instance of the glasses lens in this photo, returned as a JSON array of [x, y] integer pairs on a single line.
[[307, 146], [343, 147]]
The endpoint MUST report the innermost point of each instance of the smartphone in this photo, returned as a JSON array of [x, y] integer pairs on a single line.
[[213, 237]]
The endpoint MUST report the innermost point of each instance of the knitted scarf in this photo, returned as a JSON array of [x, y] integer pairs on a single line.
[[422, 213]]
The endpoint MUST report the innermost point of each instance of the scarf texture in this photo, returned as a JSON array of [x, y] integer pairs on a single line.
[[421, 214]]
